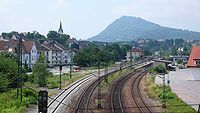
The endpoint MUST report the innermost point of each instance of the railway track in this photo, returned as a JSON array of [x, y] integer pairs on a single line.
[[137, 96], [58, 101], [117, 106], [83, 102]]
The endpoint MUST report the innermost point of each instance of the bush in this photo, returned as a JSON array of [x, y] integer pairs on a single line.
[[52, 85], [9, 104], [28, 93]]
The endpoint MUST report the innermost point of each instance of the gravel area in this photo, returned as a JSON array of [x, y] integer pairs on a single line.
[[127, 98]]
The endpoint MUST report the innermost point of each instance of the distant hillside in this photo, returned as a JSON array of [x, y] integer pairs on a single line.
[[128, 28]]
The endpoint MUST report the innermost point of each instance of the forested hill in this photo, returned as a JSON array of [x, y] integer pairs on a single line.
[[128, 28]]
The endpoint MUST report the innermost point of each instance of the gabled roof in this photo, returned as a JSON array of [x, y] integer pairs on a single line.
[[40, 47], [194, 55], [135, 50], [61, 46], [51, 46], [11, 44], [28, 45]]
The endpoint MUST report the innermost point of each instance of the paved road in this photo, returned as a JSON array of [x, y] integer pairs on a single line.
[[182, 84]]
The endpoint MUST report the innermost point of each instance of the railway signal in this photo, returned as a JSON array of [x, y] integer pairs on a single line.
[[42, 101]]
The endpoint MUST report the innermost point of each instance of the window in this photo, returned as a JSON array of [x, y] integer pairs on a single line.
[[198, 62]]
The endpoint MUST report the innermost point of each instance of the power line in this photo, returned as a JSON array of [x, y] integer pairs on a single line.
[[12, 80]]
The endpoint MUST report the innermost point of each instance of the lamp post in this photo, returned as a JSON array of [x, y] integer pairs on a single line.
[[10, 50]]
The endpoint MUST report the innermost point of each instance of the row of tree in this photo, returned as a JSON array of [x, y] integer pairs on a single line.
[[166, 47], [92, 54]]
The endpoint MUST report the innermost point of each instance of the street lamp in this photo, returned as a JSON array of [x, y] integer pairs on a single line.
[[10, 50]]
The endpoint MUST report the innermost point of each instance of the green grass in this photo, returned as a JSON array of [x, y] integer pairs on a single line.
[[9, 103], [173, 103], [53, 81]]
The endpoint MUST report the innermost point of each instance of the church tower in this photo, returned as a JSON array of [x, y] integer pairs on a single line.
[[60, 30]]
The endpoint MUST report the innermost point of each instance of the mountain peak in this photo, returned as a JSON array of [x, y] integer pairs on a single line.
[[127, 28]]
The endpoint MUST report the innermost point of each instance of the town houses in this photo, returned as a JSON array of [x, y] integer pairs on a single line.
[[54, 52]]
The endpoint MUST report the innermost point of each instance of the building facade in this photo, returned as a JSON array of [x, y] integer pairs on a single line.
[[134, 53], [176, 58]]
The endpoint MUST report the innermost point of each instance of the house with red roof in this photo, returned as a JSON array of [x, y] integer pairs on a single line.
[[29, 51], [194, 59], [134, 53]]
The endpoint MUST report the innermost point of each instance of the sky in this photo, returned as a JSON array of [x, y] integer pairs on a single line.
[[83, 19]]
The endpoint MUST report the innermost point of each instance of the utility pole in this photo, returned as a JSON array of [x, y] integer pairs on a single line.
[[19, 80], [18, 64], [105, 73], [121, 65], [70, 64], [70, 71], [99, 88], [168, 81], [164, 106], [131, 57], [60, 68]]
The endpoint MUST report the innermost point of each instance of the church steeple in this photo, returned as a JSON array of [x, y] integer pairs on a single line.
[[60, 30]]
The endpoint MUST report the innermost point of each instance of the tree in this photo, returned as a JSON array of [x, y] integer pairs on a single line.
[[60, 38], [160, 69], [35, 36], [147, 52], [74, 46], [8, 55], [124, 49], [174, 51], [40, 73], [8, 72]]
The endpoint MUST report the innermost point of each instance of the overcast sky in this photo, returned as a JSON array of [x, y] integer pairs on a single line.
[[85, 18]]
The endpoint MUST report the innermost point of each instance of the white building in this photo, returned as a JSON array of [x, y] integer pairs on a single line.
[[134, 53], [29, 50], [56, 54]]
